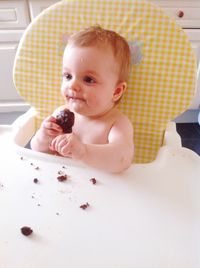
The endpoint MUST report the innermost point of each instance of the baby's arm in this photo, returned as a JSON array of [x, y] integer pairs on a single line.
[[115, 156], [45, 134]]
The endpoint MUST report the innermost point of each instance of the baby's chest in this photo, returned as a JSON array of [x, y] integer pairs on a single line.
[[93, 132]]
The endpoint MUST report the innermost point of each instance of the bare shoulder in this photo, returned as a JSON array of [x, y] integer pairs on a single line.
[[122, 129], [122, 120], [122, 133]]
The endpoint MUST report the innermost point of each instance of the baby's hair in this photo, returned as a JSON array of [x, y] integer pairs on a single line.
[[97, 36]]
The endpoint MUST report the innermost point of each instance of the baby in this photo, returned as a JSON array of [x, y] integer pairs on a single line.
[[96, 64]]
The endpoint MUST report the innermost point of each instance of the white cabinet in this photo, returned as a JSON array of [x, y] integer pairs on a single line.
[[14, 18], [8, 45], [194, 36], [15, 15], [37, 6], [187, 15]]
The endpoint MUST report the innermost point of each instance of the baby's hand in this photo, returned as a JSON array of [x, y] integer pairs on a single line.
[[50, 128], [68, 145], [45, 134]]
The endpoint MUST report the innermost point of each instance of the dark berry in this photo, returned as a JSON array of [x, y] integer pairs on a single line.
[[93, 180], [26, 230], [65, 119], [62, 178], [84, 206]]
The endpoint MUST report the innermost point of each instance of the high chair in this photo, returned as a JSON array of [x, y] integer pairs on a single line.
[[147, 216]]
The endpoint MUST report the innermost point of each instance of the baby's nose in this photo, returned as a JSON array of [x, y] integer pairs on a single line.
[[75, 85]]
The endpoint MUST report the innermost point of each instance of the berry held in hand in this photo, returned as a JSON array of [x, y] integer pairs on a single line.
[[65, 119]]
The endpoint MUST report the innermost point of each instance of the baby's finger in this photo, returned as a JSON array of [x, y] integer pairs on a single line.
[[50, 119], [52, 126], [60, 144], [65, 150], [51, 132], [54, 143]]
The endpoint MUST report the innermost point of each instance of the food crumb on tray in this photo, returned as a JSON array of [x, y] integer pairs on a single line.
[[35, 180], [84, 206], [25, 230], [93, 180], [62, 178]]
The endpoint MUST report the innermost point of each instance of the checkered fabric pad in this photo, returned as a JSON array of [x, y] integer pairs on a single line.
[[161, 84]]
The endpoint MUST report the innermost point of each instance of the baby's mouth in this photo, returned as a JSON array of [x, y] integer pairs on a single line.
[[75, 98]]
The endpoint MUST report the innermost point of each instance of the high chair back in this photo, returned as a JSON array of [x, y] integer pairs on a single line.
[[163, 74]]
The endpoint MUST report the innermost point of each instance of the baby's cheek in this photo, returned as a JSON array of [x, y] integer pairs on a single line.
[[63, 89], [94, 101]]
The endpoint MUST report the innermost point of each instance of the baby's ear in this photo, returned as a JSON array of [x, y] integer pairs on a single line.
[[119, 90]]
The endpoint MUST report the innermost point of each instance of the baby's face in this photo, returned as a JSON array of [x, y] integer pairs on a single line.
[[90, 76]]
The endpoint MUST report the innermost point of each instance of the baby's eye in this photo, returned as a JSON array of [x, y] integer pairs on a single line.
[[68, 76], [89, 79]]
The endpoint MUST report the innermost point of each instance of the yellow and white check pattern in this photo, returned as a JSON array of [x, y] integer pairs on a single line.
[[160, 87]]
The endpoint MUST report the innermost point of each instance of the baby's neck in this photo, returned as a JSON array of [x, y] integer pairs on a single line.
[[102, 115]]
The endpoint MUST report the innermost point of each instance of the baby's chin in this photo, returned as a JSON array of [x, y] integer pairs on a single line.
[[78, 107], [76, 104], [82, 108]]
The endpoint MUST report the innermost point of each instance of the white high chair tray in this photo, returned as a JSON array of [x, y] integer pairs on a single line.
[[148, 216]]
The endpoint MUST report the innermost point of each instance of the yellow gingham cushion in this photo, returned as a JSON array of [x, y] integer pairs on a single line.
[[161, 85]]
